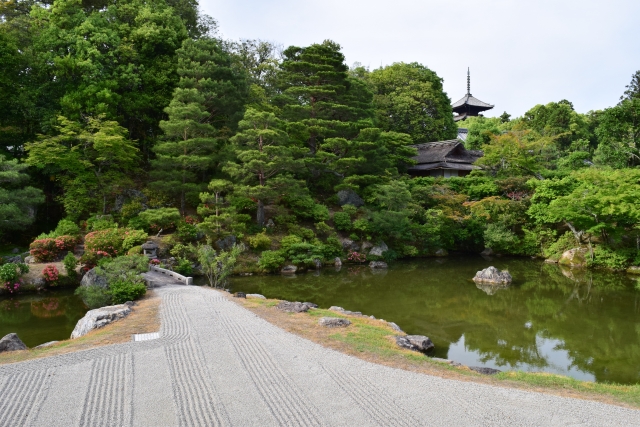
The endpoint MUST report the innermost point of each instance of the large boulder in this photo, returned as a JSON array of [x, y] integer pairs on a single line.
[[416, 343], [574, 258], [226, 243], [493, 276], [17, 259], [334, 322], [350, 245], [379, 249], [100, 317], [289, 269], [11, 342], [349, 197], [92, 278], [292, 307]]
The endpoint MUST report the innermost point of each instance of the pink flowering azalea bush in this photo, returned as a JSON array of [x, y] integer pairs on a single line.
[[49, 249], [10, 276], [109, 243], [356, 257], [50, 274]]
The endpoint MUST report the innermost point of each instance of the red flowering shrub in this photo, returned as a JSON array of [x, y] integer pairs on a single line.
[[108, 242], [49, 249], [356, 257], [50, 274]]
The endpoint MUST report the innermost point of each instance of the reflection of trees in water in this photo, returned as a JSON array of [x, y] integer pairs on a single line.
[[594, 313], [13, 313]]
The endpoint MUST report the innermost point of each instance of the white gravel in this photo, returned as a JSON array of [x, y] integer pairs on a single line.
[[216, 363]]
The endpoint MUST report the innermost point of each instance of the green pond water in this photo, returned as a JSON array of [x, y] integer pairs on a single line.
[[41, 318], [577, 323]]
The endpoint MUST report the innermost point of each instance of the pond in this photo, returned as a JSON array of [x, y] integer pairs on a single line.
[[583, 324], [39, 318]]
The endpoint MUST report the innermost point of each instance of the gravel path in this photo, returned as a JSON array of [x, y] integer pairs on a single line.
[[217, 364]]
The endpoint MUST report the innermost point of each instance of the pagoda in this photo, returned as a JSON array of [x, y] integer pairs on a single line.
[[469, 105]]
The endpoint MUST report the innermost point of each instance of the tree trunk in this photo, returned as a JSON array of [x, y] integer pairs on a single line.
[[577, 234], [260, 213]]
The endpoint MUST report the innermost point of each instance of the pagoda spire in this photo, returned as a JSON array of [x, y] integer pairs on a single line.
[[468, 82]]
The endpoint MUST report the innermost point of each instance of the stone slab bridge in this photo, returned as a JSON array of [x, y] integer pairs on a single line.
[[157, 276]]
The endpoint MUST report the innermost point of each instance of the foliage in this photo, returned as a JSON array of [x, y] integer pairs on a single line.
[[188, 251], [9, 275], [160, 219], [271, 260], [65, 227], [501, 239], [217, 266], [94, 296], [187, 232], [122, 291], [17, 200], [612, 259], [126, 268], [356, 257], [133, 238], [260, 241], [70, 262], [48, 249], [183, 267]]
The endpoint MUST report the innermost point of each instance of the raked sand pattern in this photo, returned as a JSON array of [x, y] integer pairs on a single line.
[[217, 364]]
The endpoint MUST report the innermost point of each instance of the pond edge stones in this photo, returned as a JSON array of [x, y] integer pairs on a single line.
[[493, 276], [11, 342], [100, 317], [334, 322], [293, 307], [415, 342]]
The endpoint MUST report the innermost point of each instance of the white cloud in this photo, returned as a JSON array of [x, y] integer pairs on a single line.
[[521, 53]]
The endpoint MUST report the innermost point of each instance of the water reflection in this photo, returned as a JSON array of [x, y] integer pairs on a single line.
[[38, 319], [573, 322]]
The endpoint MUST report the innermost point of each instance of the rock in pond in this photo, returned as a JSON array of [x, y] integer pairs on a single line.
[[493, 275], [259, 296], [334, 322], [379, 249], [240, 295], [92, 278], [317, 263], [289, 269], [485, 371], [11, 342], [378, 264], [100, 317], [337, 262], [575, 257], [416, 343], [441, 252], [395, 327], [292, 307]]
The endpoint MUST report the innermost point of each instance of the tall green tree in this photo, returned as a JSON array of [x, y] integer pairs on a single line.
[[91, 160], [205, 108], [265, 158], [409, 98], [18, 201]]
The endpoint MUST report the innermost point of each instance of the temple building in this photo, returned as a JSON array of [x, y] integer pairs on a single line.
[[469, 105]]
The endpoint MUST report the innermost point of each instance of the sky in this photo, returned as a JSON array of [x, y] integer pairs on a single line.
[[521, 53]]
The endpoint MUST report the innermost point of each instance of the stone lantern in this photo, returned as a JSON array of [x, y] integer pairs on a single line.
[[150, 249]]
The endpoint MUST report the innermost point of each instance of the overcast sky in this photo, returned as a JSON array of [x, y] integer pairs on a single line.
[[521, 53]]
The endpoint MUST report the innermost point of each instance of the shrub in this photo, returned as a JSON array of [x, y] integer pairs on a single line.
[[101, 222], [349, 209], [189, 251], [122, 291], [305, 253], [136, 250], [342, 220], [323, 228], [287, 241], [65, 227], [260, 241], [44, 250], [94, 296], [133, 238], [564, 243], [70, 263], [356, 257], [187, 232], [608, 258], [50, 274], [108, 241], [126, 268], [162, 218], [332, 248], [501, 239], [217, 266], [320, 213], [271, 260], [183, 267], [9, 275]]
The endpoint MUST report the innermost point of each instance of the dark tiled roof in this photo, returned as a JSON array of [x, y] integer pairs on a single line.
[[449, 154], [470, 100]]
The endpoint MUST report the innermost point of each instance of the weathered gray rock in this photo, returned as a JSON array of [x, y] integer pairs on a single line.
[[334, 322], [240, 295], [129, 194], [493, 275], [350, 245], [337, 262], [336, 308], [92, 278], [259, 296], [270, 223], [226, 243], [379, 249], [574, 258], [292, 307], [485, 371], [310, 305], [487, 252], [349, 197], [317, 263], [394, 326], [418, 343], [100, 317], [378, 264], [13, 259], [366, 246], [11, 342], [47, 344], [289, 269], [30, 260], [441, 252]]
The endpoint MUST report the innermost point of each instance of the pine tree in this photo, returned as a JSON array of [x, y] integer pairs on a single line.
[[205, 107]]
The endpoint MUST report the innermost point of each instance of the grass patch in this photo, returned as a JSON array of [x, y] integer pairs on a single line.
[[373, 340], [144, 318]]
